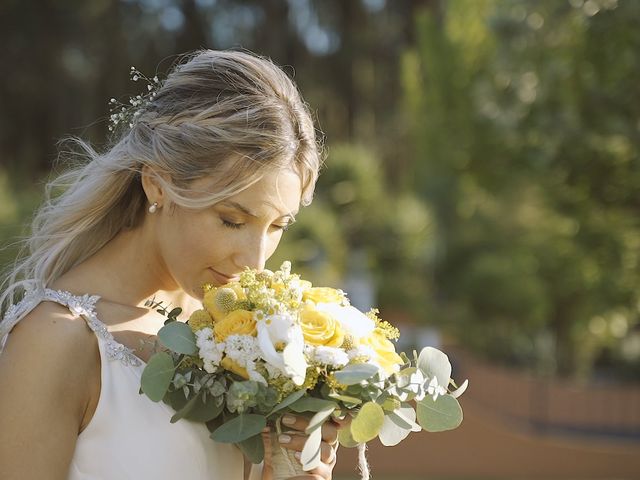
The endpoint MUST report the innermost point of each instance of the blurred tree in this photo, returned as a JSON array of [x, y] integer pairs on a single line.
[[526, 129]]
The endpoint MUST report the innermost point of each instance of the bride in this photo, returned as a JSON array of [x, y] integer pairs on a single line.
[[206, 172]]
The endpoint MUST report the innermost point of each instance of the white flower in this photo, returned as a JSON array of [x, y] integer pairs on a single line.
[[352, 320], [244, 350], [331, 356], [362, 351], [282, 344], [434, 389], [209, 351]]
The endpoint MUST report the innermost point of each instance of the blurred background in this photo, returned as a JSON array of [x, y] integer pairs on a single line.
[[482, 188]]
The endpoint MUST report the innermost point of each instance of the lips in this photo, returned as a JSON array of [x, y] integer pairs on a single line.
[[221, 277]]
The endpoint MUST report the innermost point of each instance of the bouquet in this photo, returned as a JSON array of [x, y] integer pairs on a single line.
[[271, 343]]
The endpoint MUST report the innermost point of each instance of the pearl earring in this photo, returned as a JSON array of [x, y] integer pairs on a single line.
[[153, 207]]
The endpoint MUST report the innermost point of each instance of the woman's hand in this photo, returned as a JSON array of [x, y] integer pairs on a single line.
[[295, 441]]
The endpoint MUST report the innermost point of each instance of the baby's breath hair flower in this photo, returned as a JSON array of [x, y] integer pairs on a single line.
[[128, 113]]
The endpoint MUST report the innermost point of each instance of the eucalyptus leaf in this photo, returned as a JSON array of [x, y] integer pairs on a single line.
[[179, 337], [434, 363], [253, 448], [355, 373], [346, 399], [391, 434], [345, 438], [186, 408], [311, 404], [157, 376], [176, 399], [240, 428], [319, 418], [405, 417], [460, 390], [440, 415], [204, 411], [367, 423], [310, 455], [287, 401]]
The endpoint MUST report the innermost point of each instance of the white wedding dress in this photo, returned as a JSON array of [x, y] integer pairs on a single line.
[[129, 436]]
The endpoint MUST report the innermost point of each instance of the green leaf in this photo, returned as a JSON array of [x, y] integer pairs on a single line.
[[177, 336], [205, 411], [345, 438], [391, 434], [157, 376], [440, 415], [311, 404], [355, 373], [287, 401], [434, 363], [176, 399], [319, 418], [240, 428], [253, 448], [367, 423], [310, 455], [405, 418], [346, 398], [186, 408], [397, 425], [198, 411]]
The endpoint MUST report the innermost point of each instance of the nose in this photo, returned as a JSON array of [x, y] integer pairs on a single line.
[[252, 253]]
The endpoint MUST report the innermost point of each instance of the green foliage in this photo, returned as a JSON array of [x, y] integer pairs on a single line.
[[253, 448], [178, 337], [439, 415], [157, 376], [355, 373], [367, 423], [240, 428], [525, 133]]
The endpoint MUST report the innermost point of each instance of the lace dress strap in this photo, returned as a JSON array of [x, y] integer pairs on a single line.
[[80, 306]]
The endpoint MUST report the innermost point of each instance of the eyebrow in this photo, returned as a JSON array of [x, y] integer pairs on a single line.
[[243, 209]]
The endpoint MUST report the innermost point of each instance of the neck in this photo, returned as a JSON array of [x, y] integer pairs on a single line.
[[127, 270]]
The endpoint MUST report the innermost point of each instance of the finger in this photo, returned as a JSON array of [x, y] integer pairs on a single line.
[[330, 432], [323, 471], [295, 442], [329, 429]]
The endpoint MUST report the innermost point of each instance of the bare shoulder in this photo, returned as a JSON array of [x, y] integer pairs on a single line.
[[48, 373], [51, 332]]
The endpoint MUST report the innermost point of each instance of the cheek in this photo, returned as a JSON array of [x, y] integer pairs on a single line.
[[186, 247]]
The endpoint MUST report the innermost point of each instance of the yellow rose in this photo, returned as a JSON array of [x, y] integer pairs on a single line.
[[385, 351], [232, 366], [322, 295], [200, 319], [238, 322], [320, 328]]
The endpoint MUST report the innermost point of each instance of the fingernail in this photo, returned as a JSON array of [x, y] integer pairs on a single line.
[[284, 438], [297, 455], [288, 420]]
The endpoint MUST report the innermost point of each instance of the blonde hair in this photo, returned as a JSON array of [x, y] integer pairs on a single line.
[[225, 115]]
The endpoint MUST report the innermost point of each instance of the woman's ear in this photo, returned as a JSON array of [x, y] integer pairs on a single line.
[[152, 186]]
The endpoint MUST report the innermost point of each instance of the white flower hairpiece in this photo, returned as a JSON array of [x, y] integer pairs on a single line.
[[127, 113]]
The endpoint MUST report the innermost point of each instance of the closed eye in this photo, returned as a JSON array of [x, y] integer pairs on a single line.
[[228, 224]]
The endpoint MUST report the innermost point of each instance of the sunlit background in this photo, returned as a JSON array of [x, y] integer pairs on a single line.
[[482, 188]]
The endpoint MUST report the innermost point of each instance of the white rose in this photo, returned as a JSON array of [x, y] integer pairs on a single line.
[[282, 344]]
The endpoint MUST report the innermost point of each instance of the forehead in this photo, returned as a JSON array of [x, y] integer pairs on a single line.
[[278, 191]]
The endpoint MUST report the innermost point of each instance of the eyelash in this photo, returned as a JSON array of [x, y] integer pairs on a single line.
[[236, 226]]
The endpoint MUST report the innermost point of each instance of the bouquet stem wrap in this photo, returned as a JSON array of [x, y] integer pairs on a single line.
[[283, 461]]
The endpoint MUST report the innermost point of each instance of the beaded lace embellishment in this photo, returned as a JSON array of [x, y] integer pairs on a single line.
[[79, 305]]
